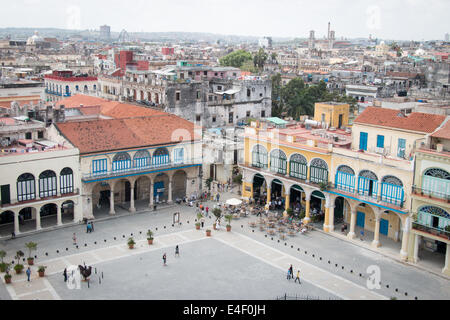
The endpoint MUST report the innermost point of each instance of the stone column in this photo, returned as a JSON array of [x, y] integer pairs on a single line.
[[132, 208], [111, 203], [351, 234], [287, 199], [446, 269], [307, 209], [376, 238], [269, 195], [151, 203], [417, 240], [326, 219], [16, 222], [38, 220], [59, 215], [331, 219], [170, 192], [404, 249]]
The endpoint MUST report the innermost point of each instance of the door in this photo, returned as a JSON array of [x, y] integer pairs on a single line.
[[360, 219], [363, 141], [5, 194], [340, 121], [158, 189], [384, 227], [127, 191]]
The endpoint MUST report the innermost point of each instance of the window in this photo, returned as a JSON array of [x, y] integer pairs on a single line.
[[219, 87], [263, 113], [177, 96], [210, 98], [214, 119], [298, 166], [248, 114], [99, 167], [178, 155], [345, 179], [205, 73], [215, 74], [230, 117], [40, 134], [198, 95], [401, 148], [121, 162], [248, 92], [47, 184], [368, 184], [66, 181], [380, 141], [160, 157], [25, 187], [278, 161], [259, 157], [28, 135], [392, 190], [141, 159], [363, 141], [318, 171], [181, 75], [198, 118]]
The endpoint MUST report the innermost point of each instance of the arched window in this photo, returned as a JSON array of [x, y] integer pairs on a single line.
[[298, 167], [345, 179], [433, 217], [67, 90], [161, 157], [121, 162], [392, 190], [26, 187], [47, 184], [278, 161], [66, 181], [368, 184], [259, 157], [85, 88], [142, 159], [436, 183], [318, 171], [77, 88]]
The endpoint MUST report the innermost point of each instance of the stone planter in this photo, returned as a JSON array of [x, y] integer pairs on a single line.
[[228, 228], [197, 226], [41, 274], [131, 246], [208, 233], [8, 280], [30, 261], [150, 241]]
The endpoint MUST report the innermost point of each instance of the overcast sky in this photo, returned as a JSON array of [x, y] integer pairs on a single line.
[[387, 19]]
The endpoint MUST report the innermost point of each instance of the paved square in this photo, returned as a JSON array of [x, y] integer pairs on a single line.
[[206, 269]]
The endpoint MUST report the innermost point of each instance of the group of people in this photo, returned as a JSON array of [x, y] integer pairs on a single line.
[[89, 227], [290, 274], [177, 254]]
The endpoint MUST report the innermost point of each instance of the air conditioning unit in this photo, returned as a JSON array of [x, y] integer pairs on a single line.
[[379, 150]]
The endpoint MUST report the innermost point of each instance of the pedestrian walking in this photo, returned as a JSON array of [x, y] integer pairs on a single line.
[[28, 273], [13, 235], [88, 227], [202, 220], [92, 226], [218, 197], [289, 274], [177, 251], [74, 238], [65, 274], [207, 209], [292, 271], [164, 259], [298, 277]]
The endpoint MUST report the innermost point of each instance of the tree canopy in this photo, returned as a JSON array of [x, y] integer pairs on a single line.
[[236, 59]]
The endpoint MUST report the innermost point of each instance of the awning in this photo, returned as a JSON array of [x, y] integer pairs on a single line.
[[233, 202]]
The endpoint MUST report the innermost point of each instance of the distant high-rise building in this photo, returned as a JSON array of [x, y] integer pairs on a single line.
[[447, 37], [311, 40], [105, 32], [265, 42]]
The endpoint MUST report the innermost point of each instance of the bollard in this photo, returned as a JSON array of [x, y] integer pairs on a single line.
[[320, 258], [342, 267], [285, 244], [57, 251], [242, 226], [173, 225], [67, 249], [85, 244], [387, 286], [313, 256], [271, 238], [351, 271], [99, 281], [396, 290], [95, 270], [415, 298], [360, 275], [188, 221], [254, 231], [265, 235], [95, 242], [336, 265], [131, 234], [306, 252], [104, 240], [298, 249], [123, 236], [329, 261], [278, 241], [115, 238], [140, 232], [164, 227], [35, 257], [77, 246], [406, 293], [292, 247]]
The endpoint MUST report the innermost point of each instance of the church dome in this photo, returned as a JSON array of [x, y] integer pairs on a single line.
[[35, 39]]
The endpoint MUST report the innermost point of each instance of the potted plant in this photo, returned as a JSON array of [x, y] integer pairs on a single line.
[[31, 246], [7, 275], [41, 271], [217, 212], [150, 237], [3, 265], [131, 243], [197, 226], [19, 267], [228, 218], [208, 233]]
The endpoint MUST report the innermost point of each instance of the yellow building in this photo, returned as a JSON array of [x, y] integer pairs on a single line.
[[333, 114]]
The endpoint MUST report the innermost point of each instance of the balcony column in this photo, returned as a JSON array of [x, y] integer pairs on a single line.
[[307, 218], [446, 269], [111, 203], [169, 200], [151, 203], [269, 195], [16, 222], [132, 208], [351, 234], [417, 240], [287, 199], [376, 238], [58, 215], [405, 237], [38, 220], [329, 219]]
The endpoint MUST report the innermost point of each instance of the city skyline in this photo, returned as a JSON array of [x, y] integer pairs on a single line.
[[294, 20]]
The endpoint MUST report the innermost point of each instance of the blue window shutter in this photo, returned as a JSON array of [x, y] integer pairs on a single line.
[[363, 140], [380, 141]]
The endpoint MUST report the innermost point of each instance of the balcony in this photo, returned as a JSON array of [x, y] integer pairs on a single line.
[[16, 202], [88, 177], [431, 230], [435, 195]]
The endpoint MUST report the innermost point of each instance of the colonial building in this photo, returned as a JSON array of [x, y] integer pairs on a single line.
[[430, 233], [40, 182], [63, 83], [151, 159]]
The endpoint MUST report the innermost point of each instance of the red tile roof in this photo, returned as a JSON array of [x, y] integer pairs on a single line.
[[113, 109], [390, 118], [116, 134], [444, 132]]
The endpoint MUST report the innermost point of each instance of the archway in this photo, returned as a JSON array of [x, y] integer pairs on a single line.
[[277, 194], [296, 199], [259, 189], [101, 194], [161, 188], [179, 181], [26, 217], [122, 193], [68, 211], [142, 188], [48, 214], [6, 223], [317, 206]]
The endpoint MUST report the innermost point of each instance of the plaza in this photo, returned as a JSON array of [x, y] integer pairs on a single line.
[[242, 264]]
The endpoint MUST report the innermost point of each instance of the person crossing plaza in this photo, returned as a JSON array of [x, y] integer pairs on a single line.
[[298, 277]]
